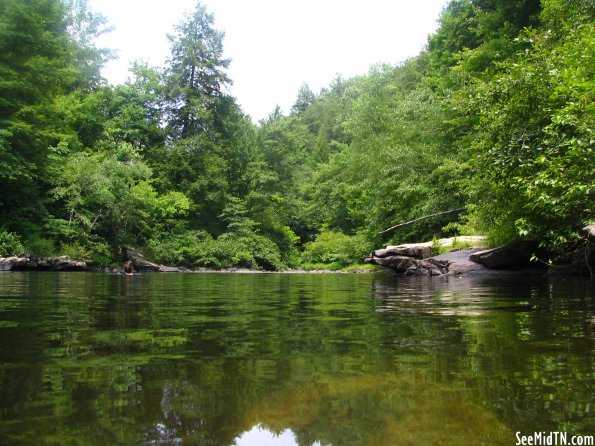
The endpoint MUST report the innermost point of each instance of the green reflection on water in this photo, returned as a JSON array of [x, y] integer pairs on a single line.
[[338, 359]]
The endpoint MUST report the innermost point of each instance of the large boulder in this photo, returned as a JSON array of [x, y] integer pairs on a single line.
[[415, 258], [515, 255], [428, 267], [169, 269], [458, 262], [398, 263], [63, 263], [139, 262], [13, 263], [416, 250], [424, 250]]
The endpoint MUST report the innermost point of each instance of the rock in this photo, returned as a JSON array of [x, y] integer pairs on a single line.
[[429, 267], [589, 232], [62, 263], [515, 255], [13, 263], [139, 261], [169, 269], [398, 263], [417, 250], [459, 262], [414, 258], [424, 250]]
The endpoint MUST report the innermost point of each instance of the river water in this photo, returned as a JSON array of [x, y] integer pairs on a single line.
[[293, 359]]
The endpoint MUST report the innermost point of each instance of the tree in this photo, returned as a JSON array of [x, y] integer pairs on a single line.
[[135, 113], [533, 143], [195, 79], [479, 32], [304, 99], [36, 67], [84, 26], [107, 194]]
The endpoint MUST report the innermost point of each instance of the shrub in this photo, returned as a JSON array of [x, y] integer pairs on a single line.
[[188, 248], [249, 250], [335, 266], [75, 251], [39, 246], [198, 248], [335, 247], [103, 254], [10, 244]]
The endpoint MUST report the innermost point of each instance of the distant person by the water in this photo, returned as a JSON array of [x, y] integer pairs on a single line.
[[128, 268]]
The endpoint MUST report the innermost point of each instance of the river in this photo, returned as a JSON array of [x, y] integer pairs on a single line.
[[293, 359]]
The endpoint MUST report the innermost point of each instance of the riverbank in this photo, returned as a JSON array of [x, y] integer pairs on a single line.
[[66, 264], [471, 257], [455, 256]]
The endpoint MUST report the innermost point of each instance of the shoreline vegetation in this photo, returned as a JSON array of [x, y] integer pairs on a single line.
[[453, 256], [488, 130]]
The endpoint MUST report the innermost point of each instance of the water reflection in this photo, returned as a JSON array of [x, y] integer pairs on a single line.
[[301, 359], [261, 436]]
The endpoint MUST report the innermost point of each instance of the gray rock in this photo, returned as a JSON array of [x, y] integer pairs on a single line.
[[138, 260], [63, 263], [13, 263], [514, 255], [416, 250], [459, 262], [169, 269], [429, 267], [398, 263]]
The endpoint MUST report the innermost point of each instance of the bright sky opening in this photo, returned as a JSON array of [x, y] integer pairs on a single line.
[[276, 45]]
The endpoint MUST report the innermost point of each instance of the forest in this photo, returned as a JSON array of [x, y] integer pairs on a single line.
[[494, 117]]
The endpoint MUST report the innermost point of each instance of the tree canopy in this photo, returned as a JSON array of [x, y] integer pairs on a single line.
[[494, 116]]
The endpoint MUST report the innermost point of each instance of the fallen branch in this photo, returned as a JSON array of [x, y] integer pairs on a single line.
[[392, 228]]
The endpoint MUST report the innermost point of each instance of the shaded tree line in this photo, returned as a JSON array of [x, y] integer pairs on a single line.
[[495, 116]]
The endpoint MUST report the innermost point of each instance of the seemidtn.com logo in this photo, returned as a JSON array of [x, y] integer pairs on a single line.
[[554, 439]]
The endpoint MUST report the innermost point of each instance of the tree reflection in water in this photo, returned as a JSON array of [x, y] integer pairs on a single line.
[[94, 359]]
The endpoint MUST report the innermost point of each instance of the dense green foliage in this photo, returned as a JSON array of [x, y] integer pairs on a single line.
[[494, 116]]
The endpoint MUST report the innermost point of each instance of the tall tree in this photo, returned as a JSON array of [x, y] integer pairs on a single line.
[[304, 98], [84, 27], [195, 75], [35, 67]]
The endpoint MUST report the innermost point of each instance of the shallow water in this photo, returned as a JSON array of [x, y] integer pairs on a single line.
[[292, 359]]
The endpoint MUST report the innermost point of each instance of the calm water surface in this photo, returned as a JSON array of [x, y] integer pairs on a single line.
[[290, 359]]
